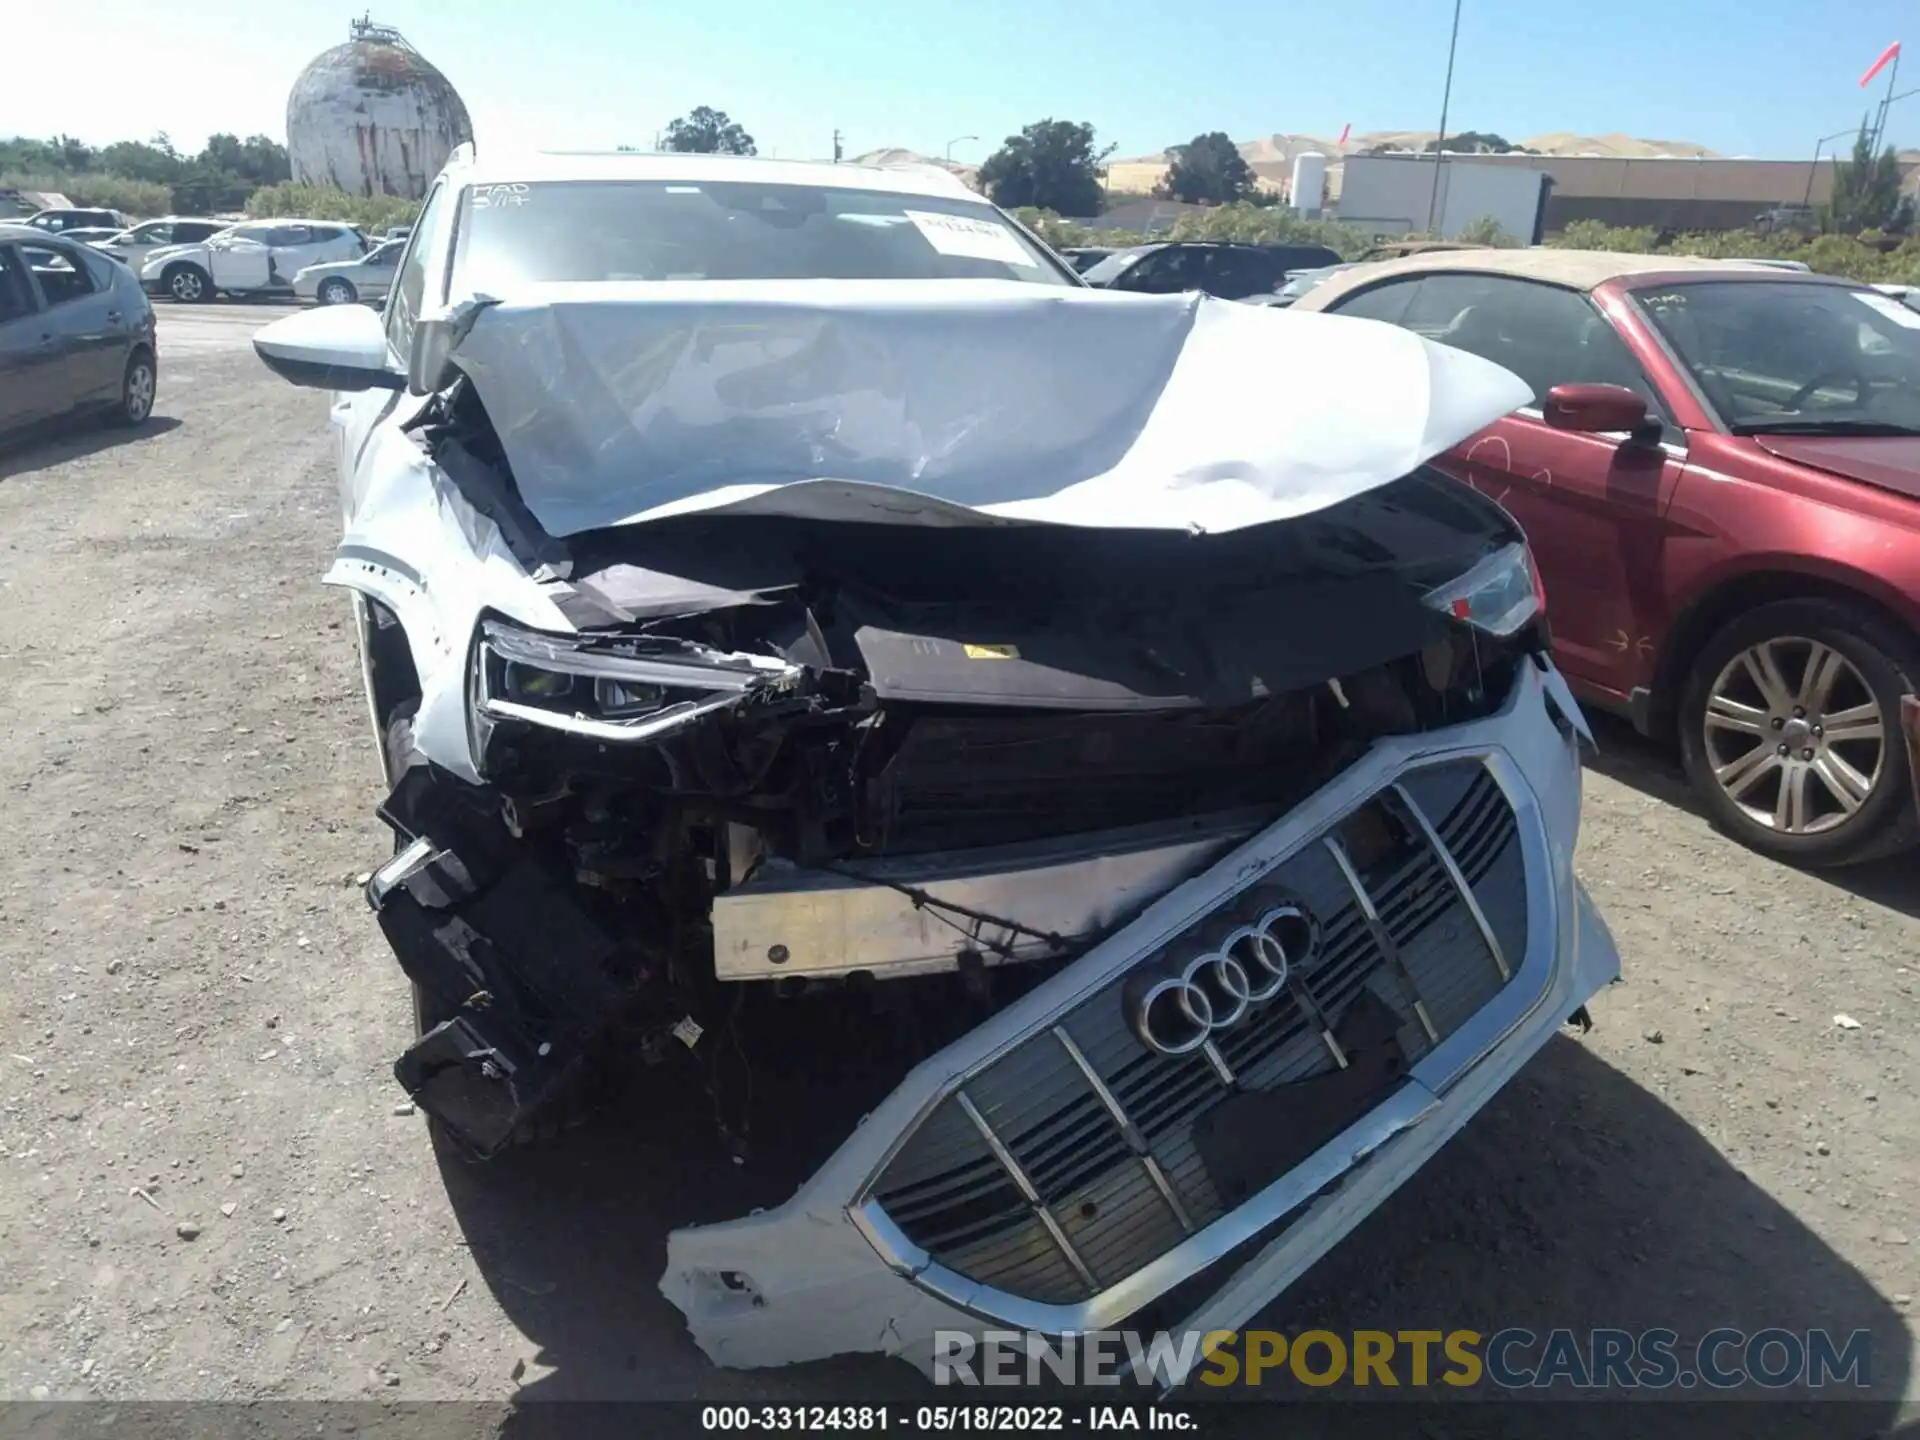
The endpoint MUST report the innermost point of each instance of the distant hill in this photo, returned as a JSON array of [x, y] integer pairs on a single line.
[[1272, 156], [894, 155]]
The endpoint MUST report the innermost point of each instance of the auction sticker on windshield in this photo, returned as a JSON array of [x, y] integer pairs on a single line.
[[1889, 307], [971, 239]]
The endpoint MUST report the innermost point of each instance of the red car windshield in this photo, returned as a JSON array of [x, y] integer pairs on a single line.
[[1782, 357]]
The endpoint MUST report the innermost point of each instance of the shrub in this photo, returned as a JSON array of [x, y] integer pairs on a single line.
[[1270, 225], [1869, 257], [312, 202], [138, 199]]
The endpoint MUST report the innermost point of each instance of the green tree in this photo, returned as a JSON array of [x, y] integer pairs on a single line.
[[1866, 191], [706, 131], [1474, 142], [1051, 164], [1208, 170], [158, 162]]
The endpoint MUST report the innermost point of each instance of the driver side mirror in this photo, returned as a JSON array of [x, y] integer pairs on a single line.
[[1599, 410], [337, 347]]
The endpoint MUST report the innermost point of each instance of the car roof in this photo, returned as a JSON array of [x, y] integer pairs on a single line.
[[1575, 269], [495, 167], [11, 230]]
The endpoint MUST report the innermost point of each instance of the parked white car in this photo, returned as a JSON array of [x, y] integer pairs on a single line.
[[1059, 760], [136, 246], [345, 282], [258, 257]]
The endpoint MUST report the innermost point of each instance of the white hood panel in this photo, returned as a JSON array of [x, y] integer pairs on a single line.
[[956, 402]]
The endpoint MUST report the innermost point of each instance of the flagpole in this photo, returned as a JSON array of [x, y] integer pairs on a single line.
[[1440, 143], [1880, 130]]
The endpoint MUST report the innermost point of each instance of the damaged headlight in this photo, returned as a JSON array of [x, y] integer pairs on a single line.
[[623, 690], [1498, 595]]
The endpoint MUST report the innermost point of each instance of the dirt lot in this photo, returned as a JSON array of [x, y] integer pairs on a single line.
[[197, 1019]]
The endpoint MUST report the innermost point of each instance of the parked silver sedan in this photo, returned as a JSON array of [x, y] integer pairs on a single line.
[[343, 282]]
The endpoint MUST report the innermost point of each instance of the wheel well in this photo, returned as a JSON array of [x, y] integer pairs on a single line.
[[173, 265], [1701, 620], [389, 661]]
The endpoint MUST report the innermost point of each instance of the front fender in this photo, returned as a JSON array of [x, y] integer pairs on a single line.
[[419, 549]]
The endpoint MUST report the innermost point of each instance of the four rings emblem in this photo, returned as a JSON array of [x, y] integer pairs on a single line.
[[1175, 1009]]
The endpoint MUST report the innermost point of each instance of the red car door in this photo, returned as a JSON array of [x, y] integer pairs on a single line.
[[1595, 510], [1595, 507]]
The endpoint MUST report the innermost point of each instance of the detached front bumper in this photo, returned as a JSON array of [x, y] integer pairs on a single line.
[[1052, 1173]]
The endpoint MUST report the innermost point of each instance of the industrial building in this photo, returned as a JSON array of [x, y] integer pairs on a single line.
[[1666, 193]]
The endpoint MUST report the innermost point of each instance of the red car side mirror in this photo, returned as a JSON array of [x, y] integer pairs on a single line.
[[1595, 409]]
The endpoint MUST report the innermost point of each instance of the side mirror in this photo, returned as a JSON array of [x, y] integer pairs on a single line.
[[1597, 410], [337, 347]]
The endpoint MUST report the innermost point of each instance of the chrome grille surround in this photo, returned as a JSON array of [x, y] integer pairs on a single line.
[[1142, 1214]]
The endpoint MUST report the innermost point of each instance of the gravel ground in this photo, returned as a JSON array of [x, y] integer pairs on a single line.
[[205, 1188]]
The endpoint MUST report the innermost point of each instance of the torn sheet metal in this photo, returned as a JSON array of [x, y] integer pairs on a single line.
[[955, 402]]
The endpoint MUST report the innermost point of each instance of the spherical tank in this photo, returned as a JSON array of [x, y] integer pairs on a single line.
[[372, 117]]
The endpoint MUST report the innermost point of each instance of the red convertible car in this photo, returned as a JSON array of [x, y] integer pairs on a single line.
[[1720, 480]]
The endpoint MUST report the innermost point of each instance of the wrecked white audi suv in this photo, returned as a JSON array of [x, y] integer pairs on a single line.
[[1048, 780]]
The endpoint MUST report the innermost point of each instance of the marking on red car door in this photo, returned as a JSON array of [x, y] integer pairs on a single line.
[[1542, 476]]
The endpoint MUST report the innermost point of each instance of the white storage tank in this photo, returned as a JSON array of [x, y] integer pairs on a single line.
[[373, 117], [1309, 181]]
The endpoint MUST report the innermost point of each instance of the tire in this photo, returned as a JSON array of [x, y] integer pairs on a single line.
[[137, 387], [1769, 762], [188, 284], [336, 291]]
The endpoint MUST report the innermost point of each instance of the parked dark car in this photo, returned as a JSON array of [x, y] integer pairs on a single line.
[[1720, 478], [1230, 271], [76, 334], [68, 218], [1084, 257]]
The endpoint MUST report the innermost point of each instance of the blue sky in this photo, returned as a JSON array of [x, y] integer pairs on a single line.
[[1762, 78]]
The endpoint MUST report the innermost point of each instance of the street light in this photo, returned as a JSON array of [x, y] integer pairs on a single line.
[[955, 141], [1814, 168]]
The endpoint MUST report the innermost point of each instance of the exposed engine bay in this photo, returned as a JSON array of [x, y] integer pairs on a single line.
[[801, 802]]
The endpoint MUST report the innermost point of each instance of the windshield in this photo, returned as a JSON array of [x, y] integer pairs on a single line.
[[1775, 356], [1113, 266], [659, 230]]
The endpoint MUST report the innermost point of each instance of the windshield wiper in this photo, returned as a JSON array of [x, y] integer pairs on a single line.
[[1822, 427]]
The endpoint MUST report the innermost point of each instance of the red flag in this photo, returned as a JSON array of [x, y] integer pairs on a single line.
[[1347, 129], [1887, 57]]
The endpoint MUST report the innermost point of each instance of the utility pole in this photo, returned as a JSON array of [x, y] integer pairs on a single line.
[[1440, 141], [836, 147]]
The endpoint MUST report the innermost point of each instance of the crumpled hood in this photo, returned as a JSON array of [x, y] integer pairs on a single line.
[[955, 402]]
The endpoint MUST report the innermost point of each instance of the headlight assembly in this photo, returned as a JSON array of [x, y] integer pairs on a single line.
[[617, 690], [1498, 595]]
